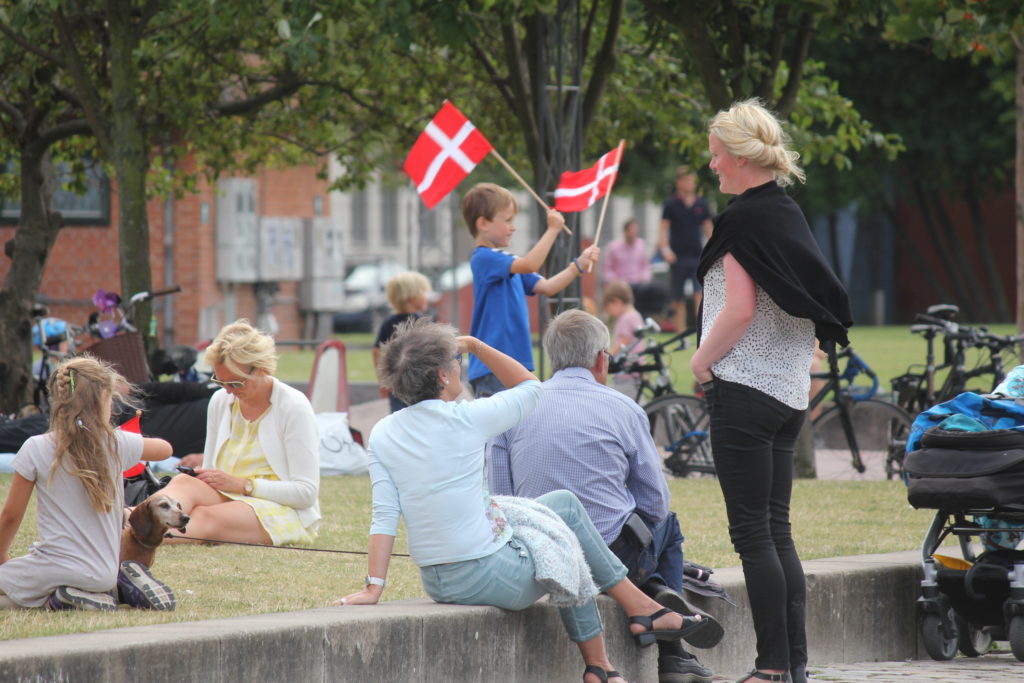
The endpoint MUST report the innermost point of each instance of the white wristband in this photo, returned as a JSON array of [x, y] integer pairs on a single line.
[[373, 580]]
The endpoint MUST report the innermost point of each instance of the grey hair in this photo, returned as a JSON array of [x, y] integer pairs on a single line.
[[410, 360], [574, 338]]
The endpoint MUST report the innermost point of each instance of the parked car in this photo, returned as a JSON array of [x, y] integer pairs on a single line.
[[366, 302], [455, 278]]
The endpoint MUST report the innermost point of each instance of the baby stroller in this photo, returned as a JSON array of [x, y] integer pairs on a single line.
[[975, 482]]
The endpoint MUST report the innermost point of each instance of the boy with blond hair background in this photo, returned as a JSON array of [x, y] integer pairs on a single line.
[[408, 295], [502, 281]]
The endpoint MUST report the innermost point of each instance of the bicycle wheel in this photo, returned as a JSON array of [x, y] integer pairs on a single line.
[[875, 424], [679, 426]]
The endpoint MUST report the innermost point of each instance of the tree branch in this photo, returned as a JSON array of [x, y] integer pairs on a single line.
[[765, 89], [64, 130], [86, 91], [796, 66], [604, 65], [289, 84], [34, 49], [15, 115]]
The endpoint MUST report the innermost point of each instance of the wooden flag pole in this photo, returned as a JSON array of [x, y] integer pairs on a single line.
[[524, 184], [608, 194]]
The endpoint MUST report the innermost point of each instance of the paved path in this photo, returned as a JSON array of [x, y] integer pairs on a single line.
[[991, 668]]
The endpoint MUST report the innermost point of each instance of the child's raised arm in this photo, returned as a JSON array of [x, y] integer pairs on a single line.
[[533, 261], [155, 449], [560, 280], [13, 512]]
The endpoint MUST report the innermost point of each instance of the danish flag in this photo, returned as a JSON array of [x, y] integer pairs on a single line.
[[579, 190], [444, 154]]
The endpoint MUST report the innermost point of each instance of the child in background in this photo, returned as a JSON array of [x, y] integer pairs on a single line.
[[408, 294], [617, 303], [76, 468], [502, 281]]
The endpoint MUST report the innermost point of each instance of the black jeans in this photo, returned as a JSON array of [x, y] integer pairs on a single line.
[[752, 440]]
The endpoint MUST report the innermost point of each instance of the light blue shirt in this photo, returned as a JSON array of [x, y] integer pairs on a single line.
[[591, 440], [427, 465]]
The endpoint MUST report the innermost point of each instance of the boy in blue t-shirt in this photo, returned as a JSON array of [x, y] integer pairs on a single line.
[[501, 281]]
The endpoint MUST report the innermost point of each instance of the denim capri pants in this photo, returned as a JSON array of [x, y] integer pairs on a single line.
[[506, 578]]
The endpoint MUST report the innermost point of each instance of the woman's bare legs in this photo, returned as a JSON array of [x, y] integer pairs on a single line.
[[213, 515]]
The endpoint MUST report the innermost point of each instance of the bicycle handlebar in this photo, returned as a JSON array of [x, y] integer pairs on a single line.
[[139, 297]]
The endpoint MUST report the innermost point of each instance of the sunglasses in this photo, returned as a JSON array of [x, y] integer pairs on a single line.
[[457, 358], [228, 384]]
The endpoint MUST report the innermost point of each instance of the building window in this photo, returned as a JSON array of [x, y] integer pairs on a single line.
[[90, 208]]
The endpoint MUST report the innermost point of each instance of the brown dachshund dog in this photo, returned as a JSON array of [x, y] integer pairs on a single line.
[[146, 527]]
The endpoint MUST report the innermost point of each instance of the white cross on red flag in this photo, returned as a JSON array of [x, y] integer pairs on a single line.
[[444, 154], [579, 190]]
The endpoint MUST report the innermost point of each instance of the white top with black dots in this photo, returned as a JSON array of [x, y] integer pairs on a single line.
[[774, 354]]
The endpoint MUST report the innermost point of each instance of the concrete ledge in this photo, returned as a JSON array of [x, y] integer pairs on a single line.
[[859, 609]]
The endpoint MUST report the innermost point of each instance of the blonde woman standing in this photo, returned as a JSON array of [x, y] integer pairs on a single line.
[[260, 478], [767, 293]]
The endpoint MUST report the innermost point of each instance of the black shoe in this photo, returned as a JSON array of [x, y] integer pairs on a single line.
[[672, 669], [709, 636]]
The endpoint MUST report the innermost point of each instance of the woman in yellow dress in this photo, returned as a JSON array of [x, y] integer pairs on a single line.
[[260, 478]]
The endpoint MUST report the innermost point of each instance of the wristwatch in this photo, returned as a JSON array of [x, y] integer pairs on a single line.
[[247, 487], [374, 580]]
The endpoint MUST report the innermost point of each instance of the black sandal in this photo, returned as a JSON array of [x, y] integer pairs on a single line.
[[756, 675], [601, 673], [691, 625]]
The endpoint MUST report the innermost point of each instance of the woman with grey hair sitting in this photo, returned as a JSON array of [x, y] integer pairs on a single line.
[[427, 464]]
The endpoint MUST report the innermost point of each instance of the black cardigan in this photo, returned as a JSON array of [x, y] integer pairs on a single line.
[[766, 232]]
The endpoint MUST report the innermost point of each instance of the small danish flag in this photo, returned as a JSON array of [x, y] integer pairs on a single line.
[[444, 154], [579, 190]]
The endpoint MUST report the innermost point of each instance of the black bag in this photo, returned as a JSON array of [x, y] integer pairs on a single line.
[[955, 479], [142, 486]]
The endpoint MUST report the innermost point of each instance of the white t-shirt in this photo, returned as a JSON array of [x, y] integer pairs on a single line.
[[77, 546]]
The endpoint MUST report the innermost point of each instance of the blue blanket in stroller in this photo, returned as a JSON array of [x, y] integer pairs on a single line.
[[968, 412]]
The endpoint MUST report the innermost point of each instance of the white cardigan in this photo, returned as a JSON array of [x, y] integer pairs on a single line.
[[290, 441]]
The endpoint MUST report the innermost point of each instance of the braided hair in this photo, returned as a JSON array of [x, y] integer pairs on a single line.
[[81, 391]]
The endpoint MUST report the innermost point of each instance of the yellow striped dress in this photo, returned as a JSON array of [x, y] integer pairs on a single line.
[[242, 456]]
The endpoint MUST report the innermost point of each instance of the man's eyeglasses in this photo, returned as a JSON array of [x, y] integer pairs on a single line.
[[228, 384]]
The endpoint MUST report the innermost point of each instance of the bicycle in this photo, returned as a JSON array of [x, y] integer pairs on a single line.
[[915, 391], [55, 339], [856, 423], [649, 359], [678, 422], [120, 342]]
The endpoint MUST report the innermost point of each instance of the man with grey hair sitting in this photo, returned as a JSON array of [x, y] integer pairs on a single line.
[[595, 441]]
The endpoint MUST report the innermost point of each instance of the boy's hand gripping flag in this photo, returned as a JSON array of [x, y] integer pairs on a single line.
[[579, 190], [444, 154]]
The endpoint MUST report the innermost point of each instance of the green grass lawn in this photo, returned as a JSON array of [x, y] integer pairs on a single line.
[[888, 349], [829, 518]]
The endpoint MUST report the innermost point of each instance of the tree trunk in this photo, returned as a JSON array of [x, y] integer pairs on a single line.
[[131, 162], [1001, 307], [28, 251], [1019, 184], [939, 244]]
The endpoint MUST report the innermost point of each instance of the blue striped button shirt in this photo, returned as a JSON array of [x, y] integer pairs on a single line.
[[591, 440]]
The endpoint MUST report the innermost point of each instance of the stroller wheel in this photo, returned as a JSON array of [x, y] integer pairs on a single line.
[[1016, 637], [938, 646], [972, 641]]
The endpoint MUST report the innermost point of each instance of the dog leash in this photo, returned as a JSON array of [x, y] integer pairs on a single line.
[[280, 547]]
